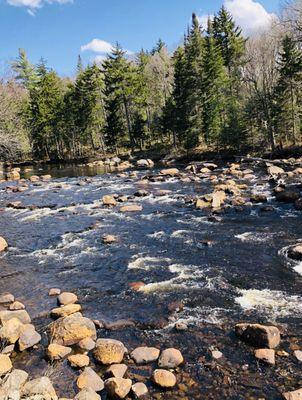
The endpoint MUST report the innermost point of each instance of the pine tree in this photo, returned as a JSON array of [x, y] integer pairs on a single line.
[[214, 84], [288, 91], [25, 71]]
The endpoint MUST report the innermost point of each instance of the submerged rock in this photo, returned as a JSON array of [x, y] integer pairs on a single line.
[[164, 378], [131, 208], [109, 201], [40, 386], [109, 351], [108, 239], [287, 196], [169, 172], [258, 335]]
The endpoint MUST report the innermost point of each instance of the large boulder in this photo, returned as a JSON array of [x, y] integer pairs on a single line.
[[258, 335], [144, 355], [118, 388], [71, 330], [40, 386], [170, 358], [109, 351], [3, 244]]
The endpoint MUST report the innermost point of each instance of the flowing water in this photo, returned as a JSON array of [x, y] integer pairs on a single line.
[[223, 270]]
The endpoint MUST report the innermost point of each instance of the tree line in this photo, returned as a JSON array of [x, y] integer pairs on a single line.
[[218, 91]]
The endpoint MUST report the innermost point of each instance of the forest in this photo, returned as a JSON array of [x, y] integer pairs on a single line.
[[217, 91]]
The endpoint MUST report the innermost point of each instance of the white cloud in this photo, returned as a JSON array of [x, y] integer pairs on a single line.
[[101, 47], [250, 15], [97, 46], [33, 5]]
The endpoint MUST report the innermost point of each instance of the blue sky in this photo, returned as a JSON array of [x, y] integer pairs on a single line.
[[59, 30]]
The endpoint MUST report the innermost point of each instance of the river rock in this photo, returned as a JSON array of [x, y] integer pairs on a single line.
[[65, 311], [90, 379], [141, 193], [108, 239], [298, 204], [136, 285], [118, 388], [163, 378], [117, 370], [139, 389], [296, 395], [21, 315], [86, 344], [258, 198], [54, 292], [169, 172], [87, 394], [218, 198], [45, 178], [109, 201], [216, 354], [29, 337], [170, 358], [258, 335], [181, 326], [145, 355], [295, 252], [145, 163], [13, 175], [79, 360], [5, 364], [57, 352], [266, 355], [287, 196], [14, 382], [298, 355], [66, 298], [17, 305], [8, 349], [131, 208], [11, 330], [6, 297], [109, 351], [40, 386], [201, 203], [3, 244], [71, 330], [274, 170]]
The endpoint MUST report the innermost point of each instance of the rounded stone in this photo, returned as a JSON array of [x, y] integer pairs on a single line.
[[164, 378], [109, 351], [145, 355], [170, 358]]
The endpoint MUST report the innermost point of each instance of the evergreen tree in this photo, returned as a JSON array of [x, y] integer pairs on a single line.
[[214, 83], [288, 91], [25, 71]]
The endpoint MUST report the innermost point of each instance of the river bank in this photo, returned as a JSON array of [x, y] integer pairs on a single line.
[[169, 258]]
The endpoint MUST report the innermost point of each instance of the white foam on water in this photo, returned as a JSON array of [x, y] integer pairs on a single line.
[[296, 265], [181, 233], [150, 217], [257, 237], [272, 302], [146, 263], [157, 235], [160, 199], [298, 268]]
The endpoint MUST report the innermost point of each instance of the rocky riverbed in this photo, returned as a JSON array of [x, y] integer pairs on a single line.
[[132, 283]]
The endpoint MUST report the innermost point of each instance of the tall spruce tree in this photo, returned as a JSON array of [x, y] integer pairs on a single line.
[[25, 71], [288, 91], [215, 83]]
